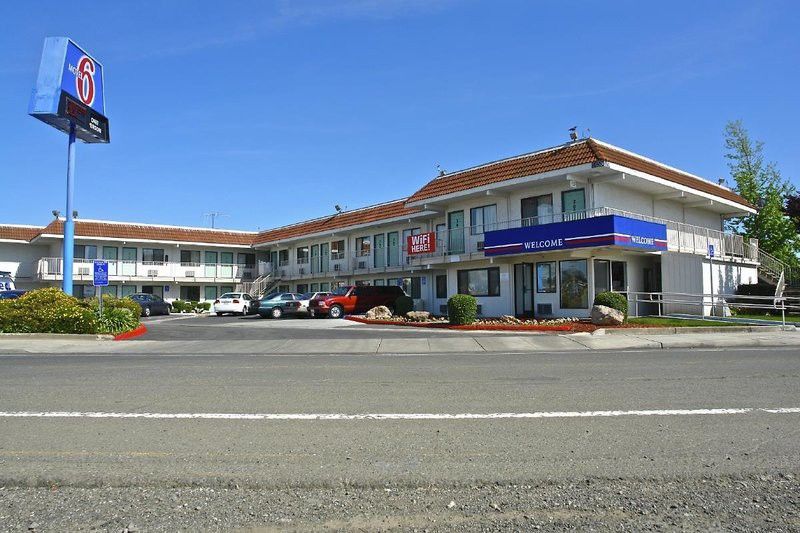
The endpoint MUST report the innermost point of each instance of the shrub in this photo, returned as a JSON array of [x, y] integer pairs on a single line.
[[110, 302], [403, 305], [462, 309], [203, 306], [739, 304], [47, 311], [117, 320], [614, 300]]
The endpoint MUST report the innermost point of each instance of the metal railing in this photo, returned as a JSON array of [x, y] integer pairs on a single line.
[[48, 268], [708, 306]]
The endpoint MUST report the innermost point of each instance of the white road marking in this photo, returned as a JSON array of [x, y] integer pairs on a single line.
[[399, 416]]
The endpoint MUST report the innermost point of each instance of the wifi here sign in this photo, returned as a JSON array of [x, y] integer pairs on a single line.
[[423, 243]]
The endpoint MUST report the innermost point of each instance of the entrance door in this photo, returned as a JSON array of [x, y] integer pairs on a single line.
[[602, 276], [380, 250], [455, 224], [523, 289], [325, 257]]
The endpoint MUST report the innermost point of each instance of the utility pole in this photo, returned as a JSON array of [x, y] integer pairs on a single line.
[[213, 216]]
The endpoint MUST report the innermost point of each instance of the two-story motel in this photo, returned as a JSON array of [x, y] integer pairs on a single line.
[[536, 234]]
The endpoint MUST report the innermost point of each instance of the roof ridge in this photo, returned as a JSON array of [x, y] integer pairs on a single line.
[[334, 215], [148, 225]]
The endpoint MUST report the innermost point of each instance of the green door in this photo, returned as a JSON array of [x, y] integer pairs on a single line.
[[380, 250], [210, 267], [111, 254], [325, 257], [226, 265], [455, 224], [315, 258], [128, 262], [393, 248]]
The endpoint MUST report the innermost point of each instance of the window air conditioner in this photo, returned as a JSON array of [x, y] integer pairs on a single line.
[[189, 273], [337, 267], [544, 309], [152, 273], [84, 272], [362, 264]]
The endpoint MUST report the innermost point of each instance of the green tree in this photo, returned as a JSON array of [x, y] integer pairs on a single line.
[[761, 184]]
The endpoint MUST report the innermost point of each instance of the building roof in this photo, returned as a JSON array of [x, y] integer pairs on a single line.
[[148, 232], [14, 232], [584, 151], [339, 221]]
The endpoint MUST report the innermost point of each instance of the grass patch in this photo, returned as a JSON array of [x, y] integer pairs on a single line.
[[677, 322], [777, 318]]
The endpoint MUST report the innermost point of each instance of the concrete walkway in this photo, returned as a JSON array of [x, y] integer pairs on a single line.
[[430, 345]]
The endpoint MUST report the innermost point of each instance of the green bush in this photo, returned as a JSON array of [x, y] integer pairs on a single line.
[[178, 306], [204, 306], [403, 305], [117, 320], [462, 309], [47, 311], [111, 302], [613, 300]]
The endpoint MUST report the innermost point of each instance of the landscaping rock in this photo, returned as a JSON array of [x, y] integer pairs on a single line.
[[606, 316], [379, 313], [418, 316]]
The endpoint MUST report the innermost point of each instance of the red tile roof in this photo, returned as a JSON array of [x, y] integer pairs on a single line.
[[569, 155], [339, 221], [118, 230], [19, 233]]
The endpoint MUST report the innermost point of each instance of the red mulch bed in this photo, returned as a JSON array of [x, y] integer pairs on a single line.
[[141, 330], [470, 327]]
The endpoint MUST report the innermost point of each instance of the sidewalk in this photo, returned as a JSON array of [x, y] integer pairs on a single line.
[[479, 344]]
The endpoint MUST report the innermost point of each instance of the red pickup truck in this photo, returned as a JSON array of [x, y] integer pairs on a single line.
[[354, 300]]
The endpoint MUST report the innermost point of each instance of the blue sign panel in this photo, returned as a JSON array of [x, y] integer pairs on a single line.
[[608, 230], [100, 273], [710, 250], [70, 89]]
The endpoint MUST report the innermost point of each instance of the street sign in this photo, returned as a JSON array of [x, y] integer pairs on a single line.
[[710, 250], [70, 91], [100, 273]]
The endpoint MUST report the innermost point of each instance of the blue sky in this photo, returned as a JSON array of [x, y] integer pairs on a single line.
[[272, 112]]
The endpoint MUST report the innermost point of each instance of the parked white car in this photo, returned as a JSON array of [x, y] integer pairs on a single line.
[[235, 303], [306, 298]]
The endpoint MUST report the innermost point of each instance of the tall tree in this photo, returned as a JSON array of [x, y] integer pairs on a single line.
[[793, 209], [761, 184]]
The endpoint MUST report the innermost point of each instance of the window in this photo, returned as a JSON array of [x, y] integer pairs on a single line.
[[315, 287], [87, 251], [619, 276], [225, 288], [210, 292], [190, 257], [441, 286], [153, 255], [573, 201], [537, 210], [574, 284], [129, 254], [110, 253], [302, 288], [394, 282], [211, 258], [337, 250], [83, 291], [363, 246], [362, 282], [379, 282], [226, 258], [190, 293], [302, 255], [283, 257], [325, 287], [111, 290], [602, 275], [406, 234], [246, 260], [482, 219], [479, 282], [546, 277], [127, 290], [411, 286]]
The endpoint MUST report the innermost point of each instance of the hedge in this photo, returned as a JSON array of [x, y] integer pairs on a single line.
[[462, 309], [613, 300]]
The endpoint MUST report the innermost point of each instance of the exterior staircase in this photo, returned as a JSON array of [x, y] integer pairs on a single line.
[[260, 286], [773, 271]]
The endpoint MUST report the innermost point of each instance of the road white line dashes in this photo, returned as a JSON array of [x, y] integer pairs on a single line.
[[399, 416]]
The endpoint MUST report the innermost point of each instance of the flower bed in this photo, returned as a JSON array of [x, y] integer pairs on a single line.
[[480, 325]]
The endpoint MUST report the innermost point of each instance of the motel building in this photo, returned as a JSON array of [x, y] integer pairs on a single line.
[[537, 234]]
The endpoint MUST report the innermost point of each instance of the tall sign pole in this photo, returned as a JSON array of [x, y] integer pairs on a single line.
[[70, 96]]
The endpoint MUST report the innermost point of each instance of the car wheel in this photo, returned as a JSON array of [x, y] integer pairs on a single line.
[[146, 311], [168, 310], [277, 312], [336, 312]]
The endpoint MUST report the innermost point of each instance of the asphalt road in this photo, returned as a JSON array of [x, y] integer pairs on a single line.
[[575, 434]]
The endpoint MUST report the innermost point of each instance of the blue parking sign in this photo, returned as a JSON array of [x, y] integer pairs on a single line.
[[710, 250], [100, 273]]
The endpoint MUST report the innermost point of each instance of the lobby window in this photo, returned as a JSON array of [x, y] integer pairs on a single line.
[[302, 255], [337, 250], [546, 277], [441, 286], [537, 210], [479, 282], [363, 246], [482, 219], [190, 257], [153, 255], [574, 284]]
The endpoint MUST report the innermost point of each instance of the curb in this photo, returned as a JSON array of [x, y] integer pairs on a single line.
[[53, 336], [141, 330], [685, 330], [468, 327]]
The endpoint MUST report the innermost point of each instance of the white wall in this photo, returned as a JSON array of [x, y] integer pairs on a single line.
[[21, 260]]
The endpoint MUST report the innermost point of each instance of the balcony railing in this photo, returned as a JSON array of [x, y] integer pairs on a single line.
[[49, 268]]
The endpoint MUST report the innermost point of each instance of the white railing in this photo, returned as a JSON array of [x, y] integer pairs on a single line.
[[49, 268]]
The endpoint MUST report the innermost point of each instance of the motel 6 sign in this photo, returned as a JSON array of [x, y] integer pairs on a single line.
[[69, 89]]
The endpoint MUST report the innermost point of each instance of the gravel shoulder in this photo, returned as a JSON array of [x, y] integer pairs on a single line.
[[765, 502]]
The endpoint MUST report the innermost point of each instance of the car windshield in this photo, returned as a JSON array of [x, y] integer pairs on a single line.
[[231, 295], [341, 291]]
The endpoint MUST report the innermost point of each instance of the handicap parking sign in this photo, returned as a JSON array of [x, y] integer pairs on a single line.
[[100, 273]]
